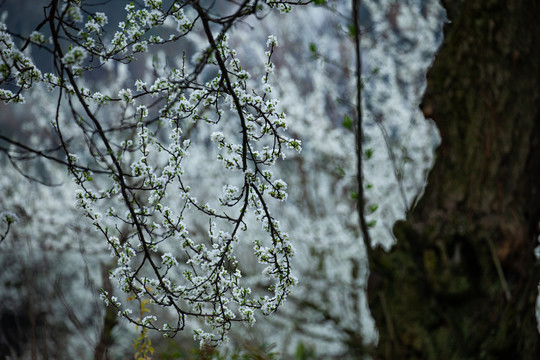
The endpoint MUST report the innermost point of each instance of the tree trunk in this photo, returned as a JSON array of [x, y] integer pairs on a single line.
[[461, 283]]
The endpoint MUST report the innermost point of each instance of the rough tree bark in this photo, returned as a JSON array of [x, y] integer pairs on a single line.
[[461, 283]]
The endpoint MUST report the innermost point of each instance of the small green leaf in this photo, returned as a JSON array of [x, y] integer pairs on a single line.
[[352, 30], [313, 48], [347, 122], [369, 153]]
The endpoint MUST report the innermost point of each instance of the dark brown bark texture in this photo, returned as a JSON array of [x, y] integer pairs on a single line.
[[461, 283]]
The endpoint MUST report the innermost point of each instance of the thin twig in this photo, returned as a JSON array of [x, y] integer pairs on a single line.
[[359, 133]]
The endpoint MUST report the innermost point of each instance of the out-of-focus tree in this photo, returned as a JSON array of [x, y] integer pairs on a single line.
[[461, 283]]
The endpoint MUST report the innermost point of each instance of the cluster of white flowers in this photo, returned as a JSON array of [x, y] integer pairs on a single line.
[[15, 67], [139, 197], [75, 57]]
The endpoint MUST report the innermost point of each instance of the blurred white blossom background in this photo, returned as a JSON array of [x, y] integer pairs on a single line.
[[54, 261]]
